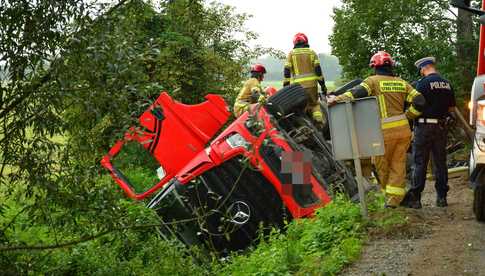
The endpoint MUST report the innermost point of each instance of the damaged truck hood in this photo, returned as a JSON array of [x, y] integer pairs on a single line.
[[174, 133]]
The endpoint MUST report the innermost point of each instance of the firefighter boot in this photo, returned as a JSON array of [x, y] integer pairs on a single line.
[[412, 200], [318, 119], [441, 202]]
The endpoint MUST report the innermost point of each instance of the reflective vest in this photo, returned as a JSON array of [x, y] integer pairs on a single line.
[[244, 99], [392, 93], [302, 62]]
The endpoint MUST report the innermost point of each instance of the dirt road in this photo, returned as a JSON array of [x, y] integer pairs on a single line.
[[437, 241]]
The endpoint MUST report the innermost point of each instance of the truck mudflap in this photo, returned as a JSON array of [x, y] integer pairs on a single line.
[[174, 133]]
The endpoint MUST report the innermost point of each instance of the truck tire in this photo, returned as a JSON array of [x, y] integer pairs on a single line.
[[235, 187], [346, 87], [479, 196], [291, 98]]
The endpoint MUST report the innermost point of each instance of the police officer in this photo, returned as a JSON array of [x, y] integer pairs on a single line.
[[392, 94], [430, 133], [251, 92], [302, 66]]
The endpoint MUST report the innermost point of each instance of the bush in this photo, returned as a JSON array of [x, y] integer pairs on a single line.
[[321, 245], [132, 247]]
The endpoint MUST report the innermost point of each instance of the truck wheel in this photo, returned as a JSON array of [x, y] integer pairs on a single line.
[[291, 98], [479, 196], [234, 203]]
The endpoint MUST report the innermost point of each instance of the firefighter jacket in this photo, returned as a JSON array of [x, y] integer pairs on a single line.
[[249, 94], [393, 94], [302, 66]]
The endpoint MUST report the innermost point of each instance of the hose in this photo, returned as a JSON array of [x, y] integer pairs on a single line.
[[451, 171]]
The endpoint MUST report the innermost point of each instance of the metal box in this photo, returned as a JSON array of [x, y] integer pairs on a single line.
[[367, 124]]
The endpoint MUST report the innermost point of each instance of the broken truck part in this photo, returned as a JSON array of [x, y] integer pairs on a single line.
[[223, 191]]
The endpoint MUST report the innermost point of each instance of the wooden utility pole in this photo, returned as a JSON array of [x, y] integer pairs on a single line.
[[465, 47]]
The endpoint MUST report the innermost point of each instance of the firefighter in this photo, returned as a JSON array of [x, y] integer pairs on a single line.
[[392, 94], [251, 91], [430, 133], [302, 66]]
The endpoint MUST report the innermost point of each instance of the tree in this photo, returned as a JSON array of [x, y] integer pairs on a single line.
[[409, 30], [466, 45], [74, 79]]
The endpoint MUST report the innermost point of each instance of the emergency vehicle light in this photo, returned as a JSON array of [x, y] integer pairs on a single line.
[[481, 112]]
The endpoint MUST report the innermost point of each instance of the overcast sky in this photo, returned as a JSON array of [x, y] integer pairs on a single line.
[[277, 21]]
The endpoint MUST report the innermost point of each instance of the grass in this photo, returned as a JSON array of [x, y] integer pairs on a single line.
[[138, 166], [275, 84], [57, 138], [323, 245]]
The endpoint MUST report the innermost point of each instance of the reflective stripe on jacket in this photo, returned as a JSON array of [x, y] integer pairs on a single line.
[[244, 98], [392, 93], [301, 62]]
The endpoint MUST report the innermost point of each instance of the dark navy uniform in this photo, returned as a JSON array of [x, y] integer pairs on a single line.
[[430, 134]]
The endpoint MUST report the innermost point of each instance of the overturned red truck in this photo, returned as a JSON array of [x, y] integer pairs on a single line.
[[222, 191]]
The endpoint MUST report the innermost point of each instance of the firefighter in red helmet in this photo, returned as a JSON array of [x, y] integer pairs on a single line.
[[392, 93], [302, 66], [251, 91]]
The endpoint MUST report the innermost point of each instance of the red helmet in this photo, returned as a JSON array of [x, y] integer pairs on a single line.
[[258, 68], [300, 37], [381, 58]]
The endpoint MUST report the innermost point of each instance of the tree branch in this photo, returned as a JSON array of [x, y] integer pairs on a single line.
[[90, 237], [12, 221], [74, 242], [47, 76]]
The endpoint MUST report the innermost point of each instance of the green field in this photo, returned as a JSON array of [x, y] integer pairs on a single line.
[[279, 84], [276, 84]]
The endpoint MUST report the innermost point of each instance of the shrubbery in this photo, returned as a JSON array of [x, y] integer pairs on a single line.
[[321, 245], [85, 75]]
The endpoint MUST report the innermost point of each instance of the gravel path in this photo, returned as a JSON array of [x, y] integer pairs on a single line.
[[438, 241]]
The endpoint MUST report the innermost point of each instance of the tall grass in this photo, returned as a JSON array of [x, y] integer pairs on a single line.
[[323, 245]]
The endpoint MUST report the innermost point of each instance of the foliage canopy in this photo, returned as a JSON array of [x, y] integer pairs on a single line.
[[74, 76], [409, 30]]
